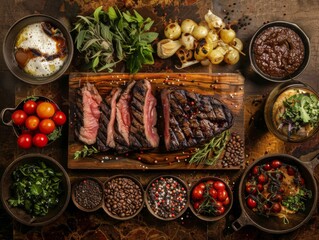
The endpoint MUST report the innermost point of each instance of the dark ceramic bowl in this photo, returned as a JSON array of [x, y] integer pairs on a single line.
[[288, 76], [155, 202], [272, 116], [88, 198], [127, 200], [227, 206], [18, 213], [9, 49]]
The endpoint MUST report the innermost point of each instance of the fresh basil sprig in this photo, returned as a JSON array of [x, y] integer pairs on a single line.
[[110, 37]]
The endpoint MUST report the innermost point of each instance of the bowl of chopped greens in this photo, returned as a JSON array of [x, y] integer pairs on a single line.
[[292, 111], [35, 189]]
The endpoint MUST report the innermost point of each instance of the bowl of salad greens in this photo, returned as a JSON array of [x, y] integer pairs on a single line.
[[292, 111], [35, 189]]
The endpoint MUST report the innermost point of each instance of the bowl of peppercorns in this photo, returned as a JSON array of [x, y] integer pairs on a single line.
[[210, 198], [87, 194], [123, 197], [166, 197]]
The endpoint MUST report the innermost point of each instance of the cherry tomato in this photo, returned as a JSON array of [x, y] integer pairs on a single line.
[[25, 140], [46, 126], [213, 192], [251, 203], [290, 170], [262, 178], [227, 201], [210, 182], [197, 193], [59, 118], [18, 117], [301, 181], [260, 187], [45, 110], [250, 188], [255, 170], [201, 186], [276, 198], [30, 107], [276, 207], [267, 167], [219, 185], [220, 211], [32, 122], [196, 205], [276, 164], [40, 140], [222, 195]]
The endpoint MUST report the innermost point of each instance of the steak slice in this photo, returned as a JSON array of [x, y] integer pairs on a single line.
[[87, 109], [144, 117], [191, 119]]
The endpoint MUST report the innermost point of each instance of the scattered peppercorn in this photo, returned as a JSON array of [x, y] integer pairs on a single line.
[[123, 197], [167, 197], [88, 193], [234, 151]]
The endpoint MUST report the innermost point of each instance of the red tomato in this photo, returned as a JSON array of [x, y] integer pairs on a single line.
[[219, 185], [220, 211], [301, 181], [40, 140], [213, 193], [197, 193], [210, 182], [290, 170], [18, 117], [260, 187], [201, 186], [32, 122], [256, 170], [267, 167], [251, 203], [45, 110], [25, 140], [250, 188], [276, 198], [59, 118], [29, 107], [196, 205], [276, 207], [222, 195], [262, 178], [46, 126], [227, 201], [276, 164]]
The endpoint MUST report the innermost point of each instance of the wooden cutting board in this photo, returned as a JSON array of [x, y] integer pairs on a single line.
[[227, 87]]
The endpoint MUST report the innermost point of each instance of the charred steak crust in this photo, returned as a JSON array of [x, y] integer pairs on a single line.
[[191, 119]]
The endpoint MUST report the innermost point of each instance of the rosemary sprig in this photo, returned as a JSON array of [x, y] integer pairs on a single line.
[[86, 151], [211, 151]]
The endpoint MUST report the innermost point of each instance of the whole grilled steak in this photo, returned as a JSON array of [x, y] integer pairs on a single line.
[[87, 108], [191, 119]]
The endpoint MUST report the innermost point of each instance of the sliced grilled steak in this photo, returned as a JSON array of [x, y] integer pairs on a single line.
[[88, 110], [144, 116], [191, 118]]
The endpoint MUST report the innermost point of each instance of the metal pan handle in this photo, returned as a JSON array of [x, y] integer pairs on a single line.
[[2, 114], [241, 222], [313, 163]]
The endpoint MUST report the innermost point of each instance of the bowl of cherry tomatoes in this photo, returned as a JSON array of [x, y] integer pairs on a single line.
[[36, 121], [210, 198]]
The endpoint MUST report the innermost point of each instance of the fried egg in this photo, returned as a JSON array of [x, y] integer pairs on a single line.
[[38, 49]]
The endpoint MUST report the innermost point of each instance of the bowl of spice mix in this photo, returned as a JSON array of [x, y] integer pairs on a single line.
[[166, 197], [123, 197], [87, 194], [279, 51]]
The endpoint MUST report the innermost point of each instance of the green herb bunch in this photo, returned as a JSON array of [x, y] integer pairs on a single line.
[[108, 38], [301, 109], [36, 188]]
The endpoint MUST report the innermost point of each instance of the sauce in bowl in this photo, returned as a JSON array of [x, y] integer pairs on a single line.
[[40, 49]]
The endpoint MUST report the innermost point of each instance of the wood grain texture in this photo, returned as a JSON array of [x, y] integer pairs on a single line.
[[229, 88]]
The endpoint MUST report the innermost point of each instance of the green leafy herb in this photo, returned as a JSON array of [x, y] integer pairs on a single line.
[[300, 109], [211, 151], [297, 202], [86, 151], [110, 37], [55, 134], [36, 188]]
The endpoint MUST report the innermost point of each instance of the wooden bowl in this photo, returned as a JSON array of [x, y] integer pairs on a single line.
[[89, 198], [115, 216], [227, 207], [20, 214], [152, 202]]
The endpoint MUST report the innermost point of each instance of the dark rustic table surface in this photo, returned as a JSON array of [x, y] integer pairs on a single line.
[[248, 15]]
